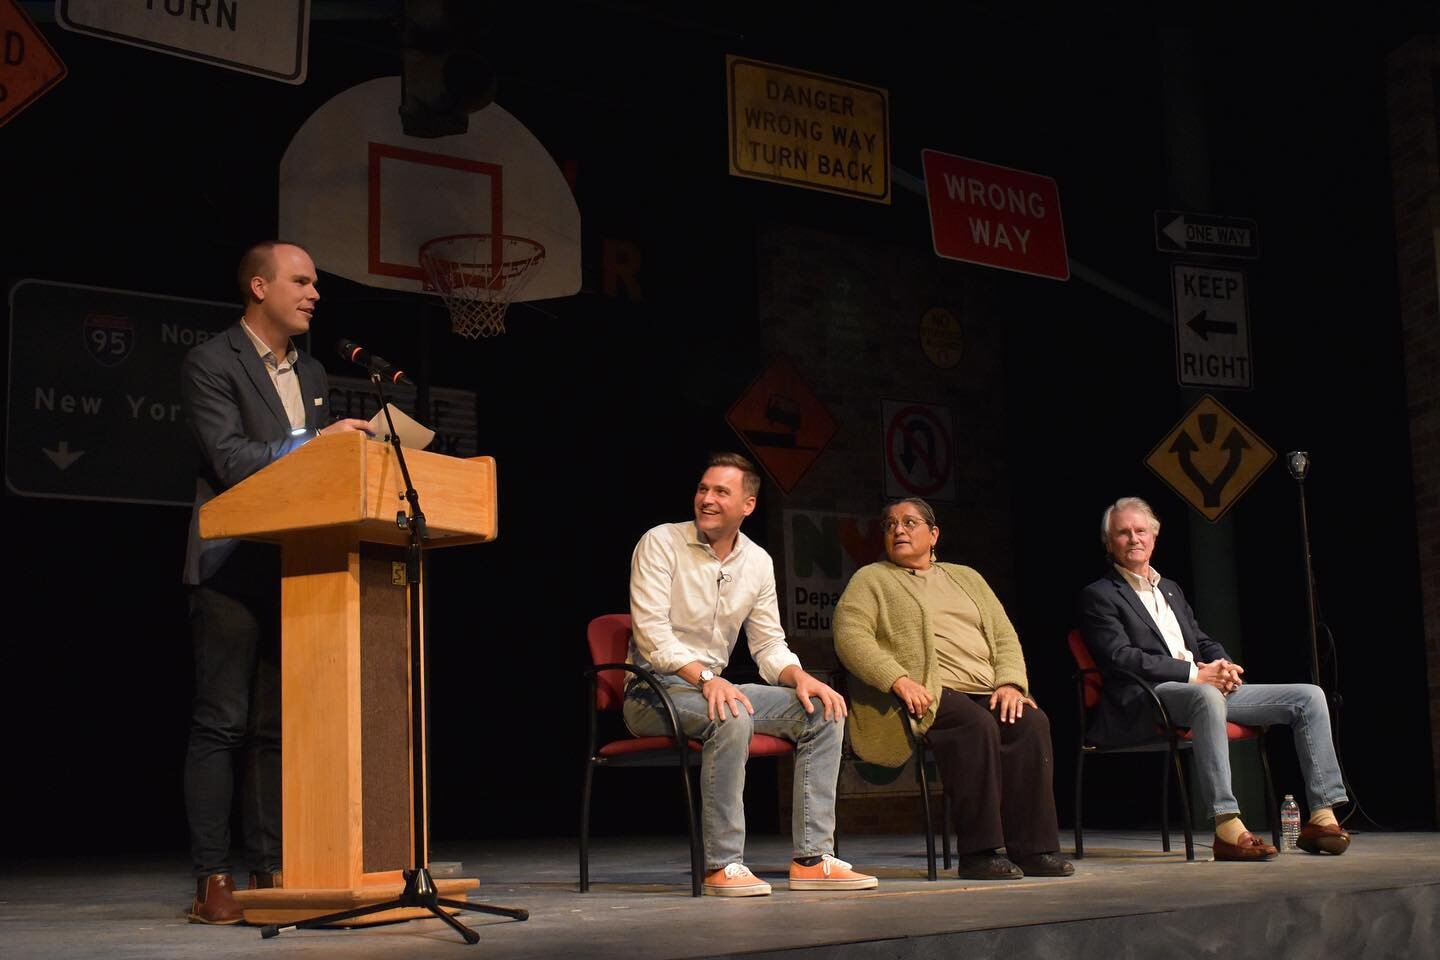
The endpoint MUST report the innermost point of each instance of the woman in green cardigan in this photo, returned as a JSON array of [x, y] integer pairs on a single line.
[[933, 637]]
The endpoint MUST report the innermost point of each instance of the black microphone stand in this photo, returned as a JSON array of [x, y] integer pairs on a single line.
[[1298, 463], [419, 891]]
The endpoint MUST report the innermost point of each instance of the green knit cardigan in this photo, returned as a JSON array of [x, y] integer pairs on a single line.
[[883, 632]]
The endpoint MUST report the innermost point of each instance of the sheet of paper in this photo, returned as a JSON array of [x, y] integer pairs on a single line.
[[413, 435]]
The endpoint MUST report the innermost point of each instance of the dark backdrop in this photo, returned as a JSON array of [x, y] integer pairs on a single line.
[[151, 173]]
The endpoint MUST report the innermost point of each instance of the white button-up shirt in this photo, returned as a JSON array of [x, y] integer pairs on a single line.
[[1148, 590], [283, 375], [686, 604]]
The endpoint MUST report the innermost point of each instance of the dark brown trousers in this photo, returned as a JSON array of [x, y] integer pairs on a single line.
[[999, 776]]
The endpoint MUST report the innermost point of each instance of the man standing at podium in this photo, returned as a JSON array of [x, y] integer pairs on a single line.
[[692, 586], [250, 397]]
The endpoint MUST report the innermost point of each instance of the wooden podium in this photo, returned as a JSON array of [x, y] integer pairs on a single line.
[[347, 797]]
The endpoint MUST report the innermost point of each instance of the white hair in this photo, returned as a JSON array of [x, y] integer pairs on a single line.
[[1126, 503]]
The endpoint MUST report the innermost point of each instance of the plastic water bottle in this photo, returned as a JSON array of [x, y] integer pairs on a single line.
[[1289, 823]]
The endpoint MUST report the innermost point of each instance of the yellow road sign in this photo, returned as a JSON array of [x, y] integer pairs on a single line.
[[1210, 458], [808, 130]]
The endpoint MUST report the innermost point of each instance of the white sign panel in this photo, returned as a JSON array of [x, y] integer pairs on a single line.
[[919, 450], [822, 551], [267, 38], [1212, 327]]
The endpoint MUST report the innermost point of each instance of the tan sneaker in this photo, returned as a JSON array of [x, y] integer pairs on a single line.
[[735, 880], [829, 874]]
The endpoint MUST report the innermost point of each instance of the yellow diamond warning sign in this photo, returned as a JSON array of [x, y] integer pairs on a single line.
[[1210, 458], [28, 66]]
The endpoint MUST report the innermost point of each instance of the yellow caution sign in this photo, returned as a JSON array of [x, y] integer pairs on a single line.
[[808, 130], [941, 337], [1210, 458]]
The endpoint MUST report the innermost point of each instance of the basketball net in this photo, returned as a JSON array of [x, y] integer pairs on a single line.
[[477, 275]]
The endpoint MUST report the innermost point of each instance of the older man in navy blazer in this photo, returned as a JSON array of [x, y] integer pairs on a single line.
[[1135, 619], [250, 397]]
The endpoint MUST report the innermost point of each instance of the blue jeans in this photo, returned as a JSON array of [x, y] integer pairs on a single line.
[[779, 713], [1301, 706]]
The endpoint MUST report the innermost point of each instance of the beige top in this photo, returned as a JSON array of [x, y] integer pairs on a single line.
[[961, 653], [283, 375]]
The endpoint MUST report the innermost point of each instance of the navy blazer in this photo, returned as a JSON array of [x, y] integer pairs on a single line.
[[240, 427], [1120, 632]]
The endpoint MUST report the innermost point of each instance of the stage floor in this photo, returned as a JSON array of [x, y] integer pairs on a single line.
[[1127, 899]]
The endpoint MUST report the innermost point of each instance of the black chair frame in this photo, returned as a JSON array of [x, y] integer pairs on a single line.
[[1171, 743], [679, 755], [920, 748]]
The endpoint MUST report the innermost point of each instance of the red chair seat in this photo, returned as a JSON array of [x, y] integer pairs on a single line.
[[764, 745], [618, 748], [761, 745], [1233, 731]]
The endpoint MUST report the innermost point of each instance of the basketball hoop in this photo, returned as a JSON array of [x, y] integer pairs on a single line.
[[477, 275]]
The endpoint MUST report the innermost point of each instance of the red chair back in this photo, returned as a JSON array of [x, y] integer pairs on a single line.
[[1085, 661], [609, 640]]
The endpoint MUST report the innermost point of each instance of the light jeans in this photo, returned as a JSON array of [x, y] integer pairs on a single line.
[[1301, 706], [779, 713]]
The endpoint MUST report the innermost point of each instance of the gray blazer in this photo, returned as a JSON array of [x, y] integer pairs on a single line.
[[240, 427]]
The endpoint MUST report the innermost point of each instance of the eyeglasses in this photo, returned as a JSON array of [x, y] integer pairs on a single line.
[[909, 523]]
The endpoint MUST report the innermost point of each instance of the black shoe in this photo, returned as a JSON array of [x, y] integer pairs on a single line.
[[1045, 865], [987, 866]]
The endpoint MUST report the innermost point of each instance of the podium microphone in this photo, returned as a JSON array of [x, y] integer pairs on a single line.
[[378, 365]]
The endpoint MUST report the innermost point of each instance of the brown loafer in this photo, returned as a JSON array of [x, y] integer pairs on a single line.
[[215, 900], [1331, 838], [1249, 848]]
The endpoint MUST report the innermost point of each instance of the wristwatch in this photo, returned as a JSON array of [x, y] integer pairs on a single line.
[[706, 676]]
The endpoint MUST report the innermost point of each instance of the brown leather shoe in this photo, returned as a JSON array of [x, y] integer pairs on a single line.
[[1248, 848], [1331, 838], [215, 901], [265, 880]]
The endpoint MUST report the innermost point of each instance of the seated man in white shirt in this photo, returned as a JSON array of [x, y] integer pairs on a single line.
[[692, 586], [1136, 620]]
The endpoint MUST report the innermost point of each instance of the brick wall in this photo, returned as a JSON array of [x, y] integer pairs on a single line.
[[1412, 83], [846, 311]]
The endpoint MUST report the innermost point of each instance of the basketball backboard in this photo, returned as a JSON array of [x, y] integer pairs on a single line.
[[363, 197]]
